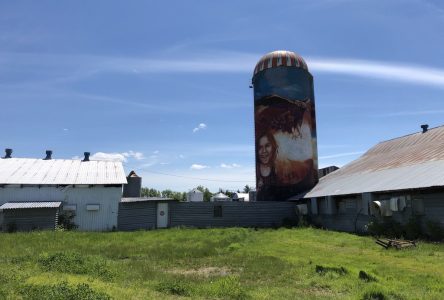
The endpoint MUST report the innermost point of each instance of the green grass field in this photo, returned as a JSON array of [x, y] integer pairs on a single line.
[[232, 263]]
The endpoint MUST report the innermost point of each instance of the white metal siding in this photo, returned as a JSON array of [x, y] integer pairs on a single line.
[[107, 197]]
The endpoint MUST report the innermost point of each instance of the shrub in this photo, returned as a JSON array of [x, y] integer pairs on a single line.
[[11, 227], [62, 291], [66, 221], [434, 231], [412, 230], [388, 227]]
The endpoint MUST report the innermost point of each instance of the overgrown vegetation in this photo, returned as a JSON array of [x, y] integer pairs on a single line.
[[412, 230], [236, 263]]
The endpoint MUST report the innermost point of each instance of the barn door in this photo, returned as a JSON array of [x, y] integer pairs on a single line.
[[162, 215]]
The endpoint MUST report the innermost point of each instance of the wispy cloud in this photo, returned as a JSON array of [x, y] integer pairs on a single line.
[[198, 167], [381, 70], [341, 155], [412, 113], [229, 166], [63, 68], [201, 126]]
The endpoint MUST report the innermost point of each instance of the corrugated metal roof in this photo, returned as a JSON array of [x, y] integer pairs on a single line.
[[141, 199], [22, 205], [408, 162], [60, 171]]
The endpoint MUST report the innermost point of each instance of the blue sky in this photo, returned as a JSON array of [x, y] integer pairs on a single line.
[[164, 86]]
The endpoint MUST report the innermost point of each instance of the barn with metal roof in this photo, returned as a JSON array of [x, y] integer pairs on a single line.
[[33, 192], [399, 178]]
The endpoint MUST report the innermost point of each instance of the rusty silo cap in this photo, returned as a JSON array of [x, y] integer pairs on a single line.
[[280, 58]]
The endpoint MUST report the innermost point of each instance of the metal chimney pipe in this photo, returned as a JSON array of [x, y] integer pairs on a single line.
[[8, 153], [424, 127], [48, 155], [87, 154]]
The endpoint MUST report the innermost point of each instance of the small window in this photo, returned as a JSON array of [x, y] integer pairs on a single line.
[[93, 207], [217, 213]]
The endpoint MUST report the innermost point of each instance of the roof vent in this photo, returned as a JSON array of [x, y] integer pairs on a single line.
[[8, 153], [48, 155], [86, 158], [424, 127]]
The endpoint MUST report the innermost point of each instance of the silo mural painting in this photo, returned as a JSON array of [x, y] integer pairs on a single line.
[[285, 127]]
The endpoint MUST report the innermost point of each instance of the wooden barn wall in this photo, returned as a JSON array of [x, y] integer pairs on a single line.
[[242, 214], [30, 219], [137, 215]]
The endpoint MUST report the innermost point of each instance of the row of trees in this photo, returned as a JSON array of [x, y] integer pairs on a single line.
[[182, 196]]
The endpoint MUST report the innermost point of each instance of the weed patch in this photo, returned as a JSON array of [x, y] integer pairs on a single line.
[[62, 291], [228, 287], [366, 277], [175, 287], [75, 263], [322, 270]]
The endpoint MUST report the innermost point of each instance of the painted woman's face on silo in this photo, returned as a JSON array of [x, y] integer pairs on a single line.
[[265, 150]]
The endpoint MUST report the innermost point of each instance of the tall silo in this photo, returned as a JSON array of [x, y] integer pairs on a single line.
[[285, 127], [133, 188]]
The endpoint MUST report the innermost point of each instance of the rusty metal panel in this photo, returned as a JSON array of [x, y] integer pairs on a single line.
[[409, 162]]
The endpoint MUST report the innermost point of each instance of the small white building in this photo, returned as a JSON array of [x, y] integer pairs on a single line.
[[220, 197], [195, 196], [245, 197], [90, 189]]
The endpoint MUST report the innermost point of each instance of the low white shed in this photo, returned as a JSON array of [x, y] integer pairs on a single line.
[[90, 189]]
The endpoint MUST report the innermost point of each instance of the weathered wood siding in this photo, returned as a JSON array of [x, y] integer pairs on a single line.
[[30, 219], [137, 215], [242, 214]]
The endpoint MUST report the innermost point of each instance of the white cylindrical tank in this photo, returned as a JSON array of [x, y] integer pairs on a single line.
[[195, 196]]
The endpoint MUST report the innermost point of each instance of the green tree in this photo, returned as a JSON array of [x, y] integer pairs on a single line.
[[206, 193], [247, 189], [149, 192]]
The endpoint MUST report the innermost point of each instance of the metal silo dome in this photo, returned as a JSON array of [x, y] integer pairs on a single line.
[[278, 59]]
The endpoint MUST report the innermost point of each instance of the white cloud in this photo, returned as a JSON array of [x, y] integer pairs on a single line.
[[229, 166], [65, 129], [134, 154], [201, 126], [181, 156], [156, 152], [198, 167], [115, 156], [108, 156]]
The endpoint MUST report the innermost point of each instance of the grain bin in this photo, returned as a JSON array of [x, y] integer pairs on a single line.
[[285, 127], [132, 189]]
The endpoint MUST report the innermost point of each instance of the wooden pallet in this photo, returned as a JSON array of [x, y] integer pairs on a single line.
[[398, 244]]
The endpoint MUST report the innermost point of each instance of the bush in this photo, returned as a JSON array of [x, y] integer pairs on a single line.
[[11, 227], [412, 230], [434, 231], [62, 291], [66, 221], [388, 227]]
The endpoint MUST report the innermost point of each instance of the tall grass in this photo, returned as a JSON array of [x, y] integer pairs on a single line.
[[235, 263]]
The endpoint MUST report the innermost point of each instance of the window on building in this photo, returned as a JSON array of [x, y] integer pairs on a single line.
[[217, 213]]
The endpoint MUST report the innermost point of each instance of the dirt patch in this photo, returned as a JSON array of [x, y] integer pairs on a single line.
[[204, 272]]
